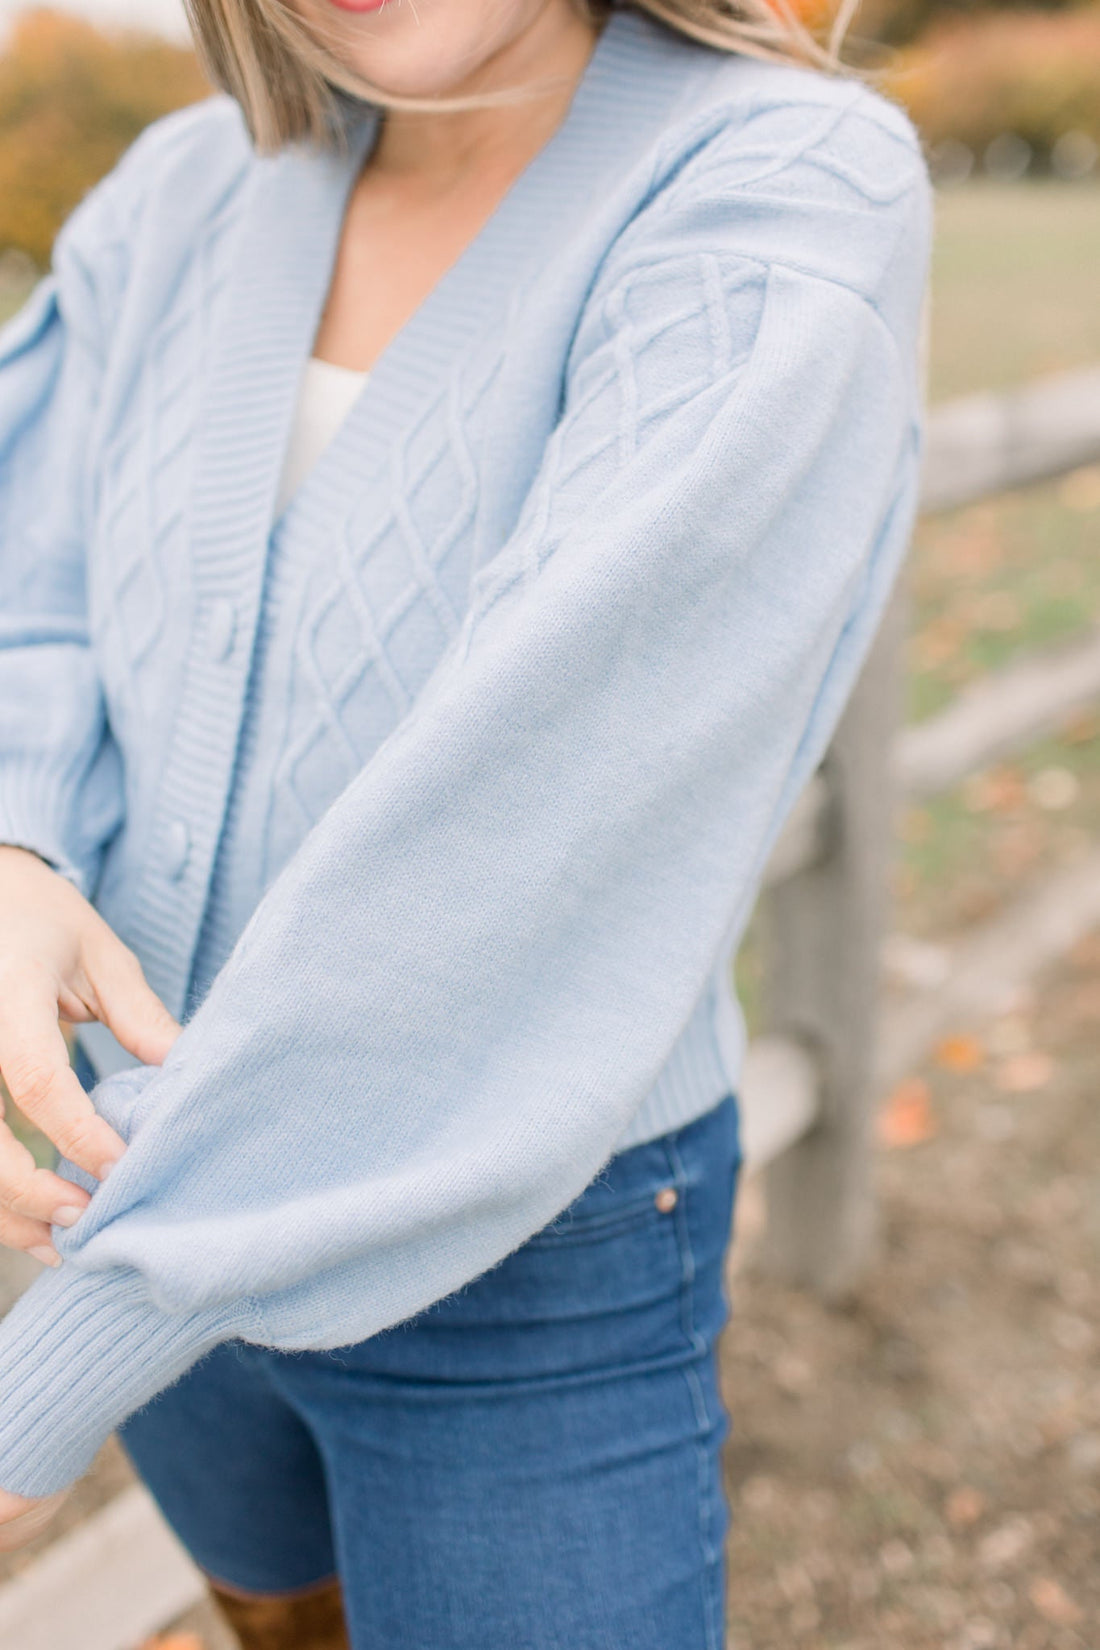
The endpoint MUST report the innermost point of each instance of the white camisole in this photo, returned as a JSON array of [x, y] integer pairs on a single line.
[[326, 395]]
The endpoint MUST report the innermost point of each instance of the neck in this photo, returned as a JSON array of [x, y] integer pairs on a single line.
[[547, 59]]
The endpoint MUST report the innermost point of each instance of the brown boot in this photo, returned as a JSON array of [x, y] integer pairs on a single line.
[[301, 1621]]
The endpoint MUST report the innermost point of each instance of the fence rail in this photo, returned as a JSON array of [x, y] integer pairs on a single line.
[[981, 445], [809, 1087]]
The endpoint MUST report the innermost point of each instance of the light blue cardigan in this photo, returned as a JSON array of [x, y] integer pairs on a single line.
[[484, 743]]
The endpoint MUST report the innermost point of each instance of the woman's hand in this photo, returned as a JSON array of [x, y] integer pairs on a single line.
[[59, 959], [23, 1520]]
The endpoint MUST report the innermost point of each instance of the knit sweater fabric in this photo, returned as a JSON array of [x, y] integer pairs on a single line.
[[438, 804]]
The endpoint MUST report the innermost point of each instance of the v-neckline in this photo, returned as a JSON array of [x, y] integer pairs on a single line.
[[284, 258], [485, 266]]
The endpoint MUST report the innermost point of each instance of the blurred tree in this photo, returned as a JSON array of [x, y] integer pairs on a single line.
[[896, 22], [1029, 73], [71, 100]]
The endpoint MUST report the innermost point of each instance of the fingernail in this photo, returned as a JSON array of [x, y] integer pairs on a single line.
[[105, 1168], [67, 1215], [46, 1254]]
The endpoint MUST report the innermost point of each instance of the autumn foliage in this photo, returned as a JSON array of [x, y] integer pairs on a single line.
[[72, 97], [71, 100], [1034, 73]]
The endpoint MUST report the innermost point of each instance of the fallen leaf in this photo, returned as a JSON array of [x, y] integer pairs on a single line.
[[964, 1506], [907, 1118], [996, 790], [1024, 1073], [1052, 1601], [960, 1054]]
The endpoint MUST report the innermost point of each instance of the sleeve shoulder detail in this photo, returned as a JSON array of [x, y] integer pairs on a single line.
[[663, 359], [787, 106], [800, 171], [192, 156]]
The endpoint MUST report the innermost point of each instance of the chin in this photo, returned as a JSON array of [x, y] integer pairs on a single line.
[[414, 48]]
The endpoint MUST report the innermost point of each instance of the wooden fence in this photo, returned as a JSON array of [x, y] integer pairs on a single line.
[[811, 1079]]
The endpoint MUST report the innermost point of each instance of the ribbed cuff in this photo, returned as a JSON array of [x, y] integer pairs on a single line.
[[21, 827], [78, 1354]]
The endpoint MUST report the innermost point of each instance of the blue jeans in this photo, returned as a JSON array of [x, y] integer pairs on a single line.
[[531, 1464]]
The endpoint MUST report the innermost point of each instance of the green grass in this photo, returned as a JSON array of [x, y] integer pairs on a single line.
[[1014, 283], [998, 579], [964, 854]]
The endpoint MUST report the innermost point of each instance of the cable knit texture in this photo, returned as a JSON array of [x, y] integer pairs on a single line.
[[437, 804]]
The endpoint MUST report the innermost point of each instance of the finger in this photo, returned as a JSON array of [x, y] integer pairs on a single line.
[[26, 1525], [126, 1002], [34, 1062], [29, 1235], [33, 1193]]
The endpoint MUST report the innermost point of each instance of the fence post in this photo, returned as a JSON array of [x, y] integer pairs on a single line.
[[821, 931]]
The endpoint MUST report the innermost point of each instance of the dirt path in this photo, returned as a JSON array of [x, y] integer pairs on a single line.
[[920, 1470]]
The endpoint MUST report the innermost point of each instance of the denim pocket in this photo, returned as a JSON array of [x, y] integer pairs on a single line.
[[593, 1217], [612, 1282], [645, 1183]]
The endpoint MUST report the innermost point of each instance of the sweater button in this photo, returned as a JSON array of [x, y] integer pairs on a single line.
[[178, 848], [667, 1199], [221, 629]]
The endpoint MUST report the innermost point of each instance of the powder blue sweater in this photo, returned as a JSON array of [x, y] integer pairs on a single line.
[[437, 804]]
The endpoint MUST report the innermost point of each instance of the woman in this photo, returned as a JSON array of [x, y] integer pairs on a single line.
[[438, 539]]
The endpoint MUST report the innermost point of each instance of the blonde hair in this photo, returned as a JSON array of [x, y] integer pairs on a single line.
[[288, 85]]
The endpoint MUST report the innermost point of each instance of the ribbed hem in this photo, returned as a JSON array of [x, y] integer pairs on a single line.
[[78, 1354], [703, 1068]]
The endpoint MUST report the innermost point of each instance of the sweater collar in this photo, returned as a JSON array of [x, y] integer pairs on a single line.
[[288, 239]]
